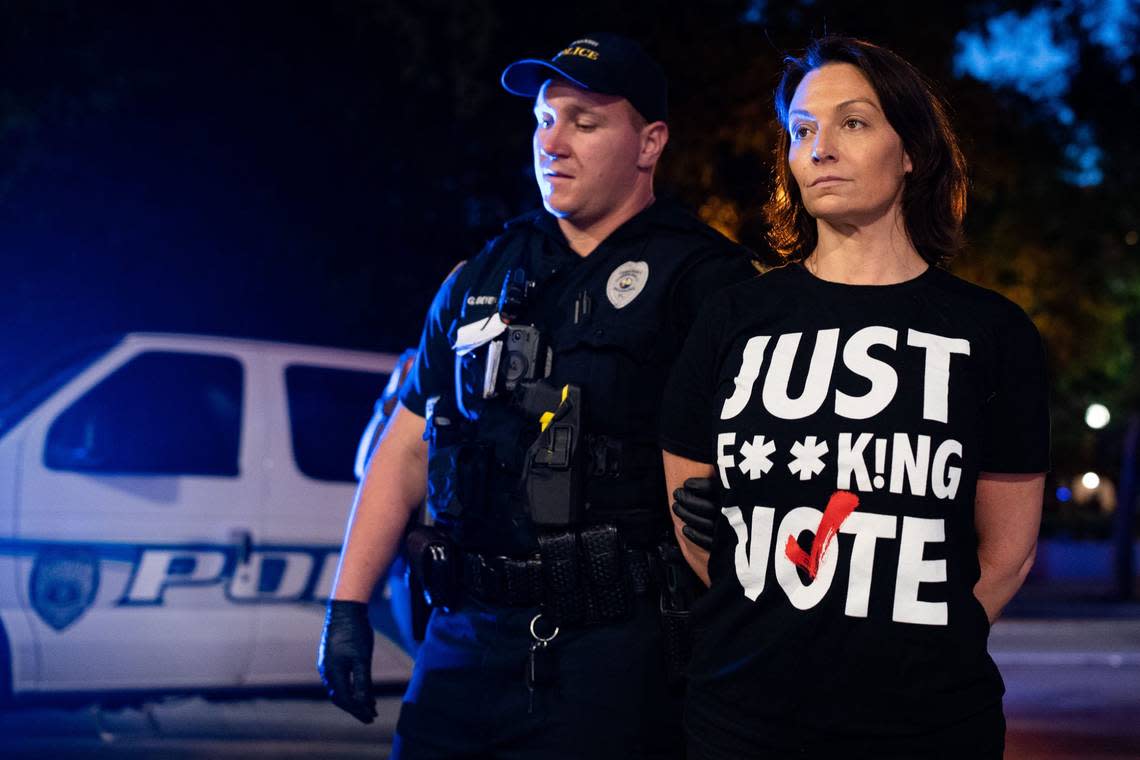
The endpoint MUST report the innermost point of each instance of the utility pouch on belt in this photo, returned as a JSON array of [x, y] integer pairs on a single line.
[[585, 576], [603, 560], [434, 562], [679, 588], [553, 468], [565, 590]]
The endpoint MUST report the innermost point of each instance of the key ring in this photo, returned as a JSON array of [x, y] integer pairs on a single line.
[[535, 635]]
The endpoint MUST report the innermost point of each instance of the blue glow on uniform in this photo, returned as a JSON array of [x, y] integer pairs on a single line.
[[1064, 494]]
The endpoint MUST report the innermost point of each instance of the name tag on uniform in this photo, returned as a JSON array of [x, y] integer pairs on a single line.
[[470, 336]]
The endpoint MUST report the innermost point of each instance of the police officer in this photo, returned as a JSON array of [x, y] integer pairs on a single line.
[[530, 416]]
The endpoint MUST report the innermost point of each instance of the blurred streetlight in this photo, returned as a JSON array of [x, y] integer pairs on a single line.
[[1090, 480], [1097, 416]]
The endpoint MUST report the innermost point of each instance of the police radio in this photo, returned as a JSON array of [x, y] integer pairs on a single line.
[[513, 296], [520, 354]]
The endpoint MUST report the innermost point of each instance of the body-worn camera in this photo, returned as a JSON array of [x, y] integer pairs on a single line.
[[521, 353]]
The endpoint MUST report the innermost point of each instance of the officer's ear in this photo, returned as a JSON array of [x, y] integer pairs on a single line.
[[654, 135]]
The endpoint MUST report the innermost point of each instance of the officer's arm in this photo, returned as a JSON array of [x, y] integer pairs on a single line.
[[1007, 516], [677, 471], [393, 488]]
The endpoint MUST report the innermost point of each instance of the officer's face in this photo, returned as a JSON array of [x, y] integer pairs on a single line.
[[586, 151], [846, 157]]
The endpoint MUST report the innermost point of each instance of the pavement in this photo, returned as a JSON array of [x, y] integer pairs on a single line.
[[1072, 693], [1072, 687], [1070, 657]]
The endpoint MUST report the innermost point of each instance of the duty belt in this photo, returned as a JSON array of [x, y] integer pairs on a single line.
[[502, 580], [576, 577]]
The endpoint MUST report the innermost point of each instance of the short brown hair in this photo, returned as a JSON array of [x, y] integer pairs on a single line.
[[934, 194]]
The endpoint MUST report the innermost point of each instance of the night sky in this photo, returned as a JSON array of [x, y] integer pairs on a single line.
[[264, 170], [310, 171]]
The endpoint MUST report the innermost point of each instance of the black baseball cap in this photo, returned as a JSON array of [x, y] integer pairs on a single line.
[[605, 63]]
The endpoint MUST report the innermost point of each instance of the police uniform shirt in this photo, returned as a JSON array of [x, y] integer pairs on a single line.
[[616, 319], [848, 425]]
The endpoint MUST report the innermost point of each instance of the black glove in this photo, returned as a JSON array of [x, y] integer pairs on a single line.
[[697, 503], [344, 658]]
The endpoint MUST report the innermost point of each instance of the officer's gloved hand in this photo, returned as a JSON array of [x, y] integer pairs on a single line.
[[344, 658], [697, 503]]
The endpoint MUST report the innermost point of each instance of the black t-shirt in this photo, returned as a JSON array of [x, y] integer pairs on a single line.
[[862, 413]]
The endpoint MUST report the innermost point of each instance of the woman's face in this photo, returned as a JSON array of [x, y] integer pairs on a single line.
[[846, 158]]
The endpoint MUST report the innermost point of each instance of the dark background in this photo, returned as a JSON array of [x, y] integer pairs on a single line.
[[310, 171]]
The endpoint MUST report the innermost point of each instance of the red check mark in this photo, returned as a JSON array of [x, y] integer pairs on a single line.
[[839, 508]]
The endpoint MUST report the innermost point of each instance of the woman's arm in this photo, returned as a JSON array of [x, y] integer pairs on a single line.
[[1007, 516], [677, 470]]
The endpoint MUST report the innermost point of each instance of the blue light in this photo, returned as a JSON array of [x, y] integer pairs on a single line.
[[1037, 54], [1064, 494], [754, 13], [1114, 25], [1084, 157], [1020, 52]]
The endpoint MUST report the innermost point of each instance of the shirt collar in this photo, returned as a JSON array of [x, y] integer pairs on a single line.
[[652, 215]]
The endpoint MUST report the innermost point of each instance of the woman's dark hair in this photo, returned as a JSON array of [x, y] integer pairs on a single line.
[[934, 194]]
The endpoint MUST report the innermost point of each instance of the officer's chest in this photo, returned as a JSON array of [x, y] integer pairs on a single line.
[[605, 321], [616, 303], [614, 299]]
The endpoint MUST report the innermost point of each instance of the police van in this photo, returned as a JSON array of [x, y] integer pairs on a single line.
[[171, 514]]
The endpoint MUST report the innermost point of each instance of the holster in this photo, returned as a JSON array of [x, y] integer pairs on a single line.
[[553, 475]]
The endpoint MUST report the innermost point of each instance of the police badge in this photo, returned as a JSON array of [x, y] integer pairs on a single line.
[[63, 585], [626, 282]]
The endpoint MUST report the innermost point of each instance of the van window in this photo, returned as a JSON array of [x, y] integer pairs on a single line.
[[328, 411], [161, 413]]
